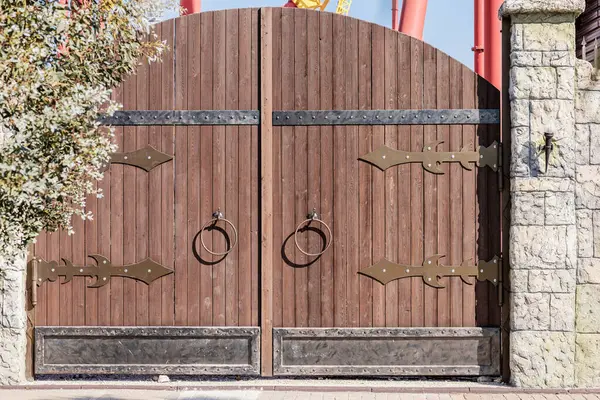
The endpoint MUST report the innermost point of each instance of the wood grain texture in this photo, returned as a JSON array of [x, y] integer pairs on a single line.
[[287, 59], [404, 214], [266, 190]]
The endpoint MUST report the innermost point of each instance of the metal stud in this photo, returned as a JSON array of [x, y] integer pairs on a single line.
[[80, 269]]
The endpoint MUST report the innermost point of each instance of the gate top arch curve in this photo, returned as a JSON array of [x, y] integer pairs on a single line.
[[265, 131]]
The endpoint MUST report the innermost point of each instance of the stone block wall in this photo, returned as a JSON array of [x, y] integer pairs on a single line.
[[587, 203], [555, 227]]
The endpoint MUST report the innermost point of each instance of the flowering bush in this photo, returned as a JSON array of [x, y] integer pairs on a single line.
[[58, 64]]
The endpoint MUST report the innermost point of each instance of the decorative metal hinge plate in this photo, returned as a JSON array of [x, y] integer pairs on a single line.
[[147, 158], [146, 271], [385, 157], [431, 271]]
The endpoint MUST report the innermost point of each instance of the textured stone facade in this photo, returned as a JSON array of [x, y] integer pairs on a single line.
[[555, 232], [543, 235], [587, 202], [13, 321]]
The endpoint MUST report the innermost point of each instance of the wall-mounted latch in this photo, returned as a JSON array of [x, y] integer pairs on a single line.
[[547, 148]]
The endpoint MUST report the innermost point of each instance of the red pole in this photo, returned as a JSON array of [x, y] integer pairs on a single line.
[[493, 43], [395, 15], [191, 6], [412, 19], [478, 48]]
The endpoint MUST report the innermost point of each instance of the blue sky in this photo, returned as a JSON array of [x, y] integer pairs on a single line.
[[449, 23]]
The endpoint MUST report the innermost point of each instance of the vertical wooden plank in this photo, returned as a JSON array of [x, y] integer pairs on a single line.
[[181, 184], [429, 181], [340, 228], [155, 206], [287, 164], [255, 173], [456, 198], [277, 151], [245, 170], [378, 186], [391, 176], [352, 197], [52, 291], [103, 225], [365, 174], [266, 136], [404, 199], [219, 161], [194, 95], [327, 166], [495, 209], [130, 206], [91, 247], [482, 207], [128, 99], [65, 289], [232, 160], [167, 180], [300, 167], [40, 251], [79, 258], [469, 196], [141, 217], [443, 189], [206, 163], [314, 159], [416, 179]]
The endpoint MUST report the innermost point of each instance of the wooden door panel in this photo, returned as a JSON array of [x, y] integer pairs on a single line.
[[405, 214]]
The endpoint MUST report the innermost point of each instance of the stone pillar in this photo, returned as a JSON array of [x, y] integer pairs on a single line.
[[543, 237], [13, 321]]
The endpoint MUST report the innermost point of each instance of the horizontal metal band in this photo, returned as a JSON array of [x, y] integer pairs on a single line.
[[305, 118], [386, 351], [188, 117], [387, 117], [147, 350]]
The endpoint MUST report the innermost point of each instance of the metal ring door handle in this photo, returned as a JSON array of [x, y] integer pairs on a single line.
[[218, 216], [313, 217]]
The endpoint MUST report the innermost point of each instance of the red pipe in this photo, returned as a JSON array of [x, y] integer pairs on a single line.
[[412, 19], [395, 15], [478, 49], [493, 43], [191, 6]]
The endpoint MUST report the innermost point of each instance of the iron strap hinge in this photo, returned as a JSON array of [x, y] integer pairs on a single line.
[[145, 271]]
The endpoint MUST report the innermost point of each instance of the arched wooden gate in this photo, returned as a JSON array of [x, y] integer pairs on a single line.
[[402, 164]]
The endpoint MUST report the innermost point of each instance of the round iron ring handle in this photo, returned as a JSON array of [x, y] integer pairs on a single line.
[[218, 216], [313, 218]]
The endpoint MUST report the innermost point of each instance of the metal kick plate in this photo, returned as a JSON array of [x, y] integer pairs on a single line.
[[147, 350], [431, 160], [386, 351], [431, 271]]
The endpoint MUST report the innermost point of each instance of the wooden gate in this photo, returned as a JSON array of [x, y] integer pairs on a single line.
[[353, 176]]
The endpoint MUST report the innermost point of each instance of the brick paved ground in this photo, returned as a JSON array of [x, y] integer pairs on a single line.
[[281, 389], [123, 394]]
